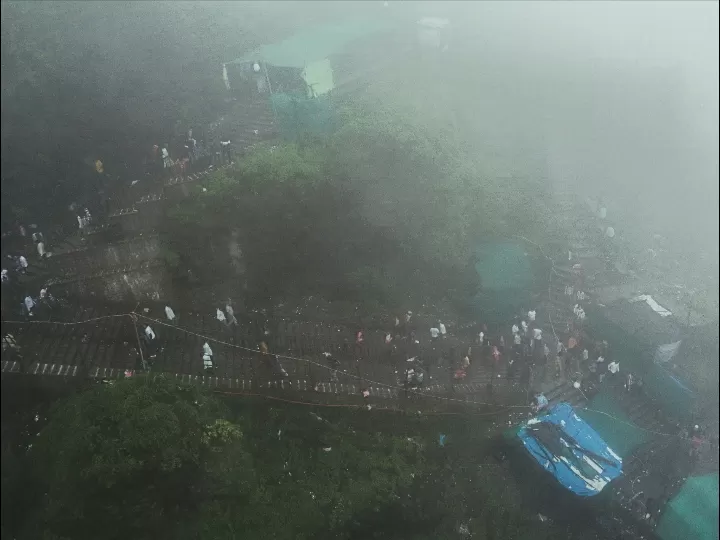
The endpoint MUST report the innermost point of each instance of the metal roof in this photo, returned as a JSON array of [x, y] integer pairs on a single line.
[[314, 44]]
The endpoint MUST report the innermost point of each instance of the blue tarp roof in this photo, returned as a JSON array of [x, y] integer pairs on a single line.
[[571, 450]]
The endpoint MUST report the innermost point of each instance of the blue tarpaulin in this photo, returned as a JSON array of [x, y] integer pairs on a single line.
[[572, 451]]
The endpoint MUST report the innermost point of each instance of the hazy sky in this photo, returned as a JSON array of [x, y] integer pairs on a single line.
[[629, 93]]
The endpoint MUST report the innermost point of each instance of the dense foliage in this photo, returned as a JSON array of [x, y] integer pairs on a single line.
[[378, 210], [150, 459], [128, 454]]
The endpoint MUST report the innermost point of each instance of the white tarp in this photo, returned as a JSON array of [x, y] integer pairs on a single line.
[[319, 77], [226, 80], [665, 353], [657, 308], [431, 32]]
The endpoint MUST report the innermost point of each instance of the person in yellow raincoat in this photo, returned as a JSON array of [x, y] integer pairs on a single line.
[[99, 167]]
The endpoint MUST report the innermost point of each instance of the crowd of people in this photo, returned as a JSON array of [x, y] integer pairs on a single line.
[[17, 262], [192, 154], [13, 288], [520, 351], [420, 352]]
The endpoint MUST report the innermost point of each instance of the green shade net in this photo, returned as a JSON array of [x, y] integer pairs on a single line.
[[503, 266], [693, 513], [298, 115], [622, 437], [506, 277], [635, 336]]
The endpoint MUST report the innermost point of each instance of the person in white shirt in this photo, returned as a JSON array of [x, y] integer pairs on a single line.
[[531, 315], [586, 355], [443, 330], [524, 326], [537, 334], [481, 338], [207, 363], [207, 350], [149, 333], [22, 261], [169, 313], [613, 367], [41, 249], [220, 316], [29, 305], [515, 329], [4, 276], [434, 333], [43, 293]]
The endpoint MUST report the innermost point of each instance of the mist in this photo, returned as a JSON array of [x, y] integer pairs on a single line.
[[468, 216], [628, 95]]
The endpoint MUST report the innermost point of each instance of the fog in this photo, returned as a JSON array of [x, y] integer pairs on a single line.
[[617, 99], [627, 91], [629, 100], [371, 246]]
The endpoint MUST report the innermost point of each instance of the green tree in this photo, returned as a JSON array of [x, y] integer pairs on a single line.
[[314, 478], [123, 460], [150, 459], [292, 220], [377, 210]]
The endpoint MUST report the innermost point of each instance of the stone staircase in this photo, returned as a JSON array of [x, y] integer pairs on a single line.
[[249, 122], [104, 345], [581, 236]]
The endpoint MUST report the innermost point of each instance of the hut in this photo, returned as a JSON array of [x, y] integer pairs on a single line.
[[298, 74]]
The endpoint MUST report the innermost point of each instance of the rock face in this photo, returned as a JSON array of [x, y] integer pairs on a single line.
[[143, 285], [149, 281], [132, 270]]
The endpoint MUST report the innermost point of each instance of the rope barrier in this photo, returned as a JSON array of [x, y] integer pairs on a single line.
[[506, 407], [74, 323], [422, 394], [345, 405], [322, 366]]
